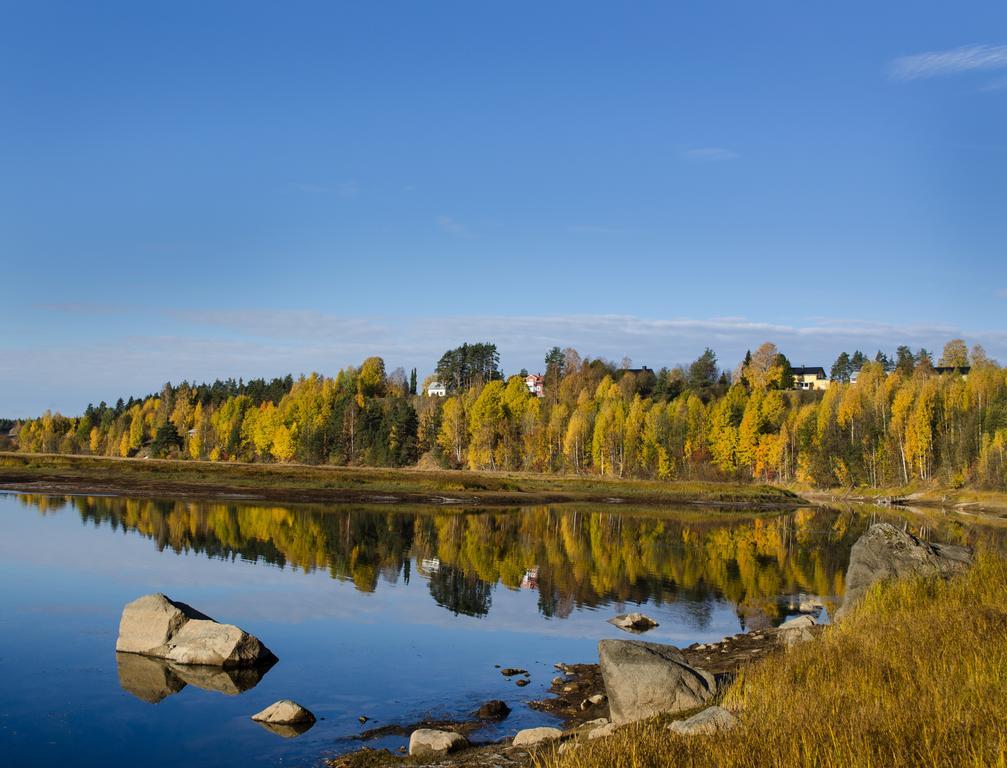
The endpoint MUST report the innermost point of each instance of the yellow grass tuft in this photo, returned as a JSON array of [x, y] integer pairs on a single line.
[[916, 676]]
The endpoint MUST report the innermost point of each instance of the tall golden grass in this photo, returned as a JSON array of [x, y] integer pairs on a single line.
[[916, 676]]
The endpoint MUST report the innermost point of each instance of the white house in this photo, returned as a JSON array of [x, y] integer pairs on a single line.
[[436, 389]]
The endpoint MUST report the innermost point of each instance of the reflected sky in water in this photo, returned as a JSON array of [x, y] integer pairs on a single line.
[[389, 613]]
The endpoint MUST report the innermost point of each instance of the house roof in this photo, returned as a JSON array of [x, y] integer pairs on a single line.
[[804, 370]]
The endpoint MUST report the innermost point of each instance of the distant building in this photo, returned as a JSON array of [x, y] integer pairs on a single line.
[[535, 384], [810, 378], [437, 389], [854, 376]]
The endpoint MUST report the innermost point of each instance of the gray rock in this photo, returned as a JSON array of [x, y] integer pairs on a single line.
[[796, 630], [709, 721], [646, 679], [885, 552], [427, 742], [284, 712], [154, 625], [633, 622], [602, 731], [529, 737]]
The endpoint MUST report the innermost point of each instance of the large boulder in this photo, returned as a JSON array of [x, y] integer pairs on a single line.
[[427, 742], [885, 552], [155, 625], [706, 723], [646, 679]]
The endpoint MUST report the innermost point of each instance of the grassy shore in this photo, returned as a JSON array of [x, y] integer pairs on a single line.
[[298, 482], [915, 676]]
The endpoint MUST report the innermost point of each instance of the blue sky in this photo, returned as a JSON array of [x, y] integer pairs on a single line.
[[192, 190]]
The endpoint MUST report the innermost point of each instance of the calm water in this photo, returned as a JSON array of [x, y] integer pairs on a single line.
[[388, 613]]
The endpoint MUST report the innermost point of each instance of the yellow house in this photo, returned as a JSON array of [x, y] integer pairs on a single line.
[[810, 378]]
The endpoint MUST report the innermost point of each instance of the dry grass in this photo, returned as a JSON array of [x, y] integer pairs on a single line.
[[917, 676]]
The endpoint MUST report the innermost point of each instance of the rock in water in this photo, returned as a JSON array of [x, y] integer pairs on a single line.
[[706, 723], [426, 742], [284, 712], [646, 679], [633, 622], [885, 552], [154, 625], [529, 737], [493, 710]]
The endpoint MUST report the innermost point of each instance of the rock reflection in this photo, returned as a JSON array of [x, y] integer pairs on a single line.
[[153, 680], [287, 731]]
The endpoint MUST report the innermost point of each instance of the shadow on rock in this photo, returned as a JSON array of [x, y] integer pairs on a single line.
[[152, 680]]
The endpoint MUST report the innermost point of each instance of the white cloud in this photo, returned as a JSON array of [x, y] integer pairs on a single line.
[[710, 154], [449, 226], [967, 58], [206, 344], [1002, 293]]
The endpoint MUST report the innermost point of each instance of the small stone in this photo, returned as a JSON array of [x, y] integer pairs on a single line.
[[521, 683], [284, 712], [512, 671], [633, 622], [558, 680], [601, 731], [427, 742], [529, 737], [363, 719], [709, 721]]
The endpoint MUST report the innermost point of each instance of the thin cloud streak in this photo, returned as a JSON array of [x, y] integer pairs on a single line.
[[967, 58], [710, 154], [206, 344]]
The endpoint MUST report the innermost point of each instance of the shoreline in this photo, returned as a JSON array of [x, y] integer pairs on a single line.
[[64, 474]]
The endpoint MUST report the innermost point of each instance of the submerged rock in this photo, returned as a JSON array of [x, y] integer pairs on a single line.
[[633, 622], [529, 737], [705, 723], [493, 710], [885, 552], [427, 742], [154, 625], [646, 679]]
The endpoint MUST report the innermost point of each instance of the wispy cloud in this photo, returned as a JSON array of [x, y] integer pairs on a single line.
[[967, 58], [1002, 293], [341, 189], [710, 154], [203, 344], [594, 229], [450, 226]]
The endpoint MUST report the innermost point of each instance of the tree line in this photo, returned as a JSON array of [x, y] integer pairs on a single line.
[[897, 423]]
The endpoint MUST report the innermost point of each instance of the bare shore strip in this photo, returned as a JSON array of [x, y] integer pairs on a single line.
[[56, 473]]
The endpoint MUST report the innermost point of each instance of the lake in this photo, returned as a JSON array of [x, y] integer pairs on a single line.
[[394, 614]]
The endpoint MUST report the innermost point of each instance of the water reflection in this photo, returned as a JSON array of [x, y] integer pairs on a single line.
[[766, 564], [153, 680]]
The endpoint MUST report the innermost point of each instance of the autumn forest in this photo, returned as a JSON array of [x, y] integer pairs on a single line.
[[881, 421]]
